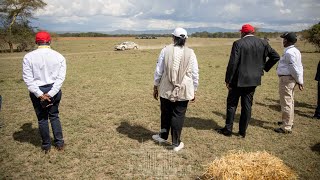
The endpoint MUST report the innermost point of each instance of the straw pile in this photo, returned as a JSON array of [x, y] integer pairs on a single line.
[[254, 165]]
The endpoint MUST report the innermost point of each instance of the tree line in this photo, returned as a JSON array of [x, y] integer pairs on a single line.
[[16, 33]]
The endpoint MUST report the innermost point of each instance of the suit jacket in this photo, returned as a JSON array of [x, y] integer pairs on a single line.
[[317, 78], [247, 61]]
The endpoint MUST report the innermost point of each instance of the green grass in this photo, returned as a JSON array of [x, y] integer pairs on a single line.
[[108, 116]]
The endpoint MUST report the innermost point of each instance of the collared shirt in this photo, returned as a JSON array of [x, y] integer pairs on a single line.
[[178, 51], [41, 67], [290, 64], [247, 35]]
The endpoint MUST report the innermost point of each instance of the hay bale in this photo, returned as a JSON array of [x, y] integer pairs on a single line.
[[252, 165]]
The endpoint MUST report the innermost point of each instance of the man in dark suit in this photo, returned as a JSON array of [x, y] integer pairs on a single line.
[[317, 78], [247, 61]]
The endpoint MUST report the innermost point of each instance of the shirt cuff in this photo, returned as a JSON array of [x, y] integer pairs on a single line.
[[38, 93], [51, 93]]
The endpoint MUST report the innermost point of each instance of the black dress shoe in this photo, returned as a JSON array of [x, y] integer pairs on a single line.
[[280, 123], [243, 135], [224, 131], [280, 130]]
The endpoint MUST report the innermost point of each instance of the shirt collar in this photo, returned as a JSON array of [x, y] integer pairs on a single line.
[[248, 35], [285, 49], [43, 46]]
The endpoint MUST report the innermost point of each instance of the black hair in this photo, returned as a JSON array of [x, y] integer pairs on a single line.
[[178, 41], [43, 43]]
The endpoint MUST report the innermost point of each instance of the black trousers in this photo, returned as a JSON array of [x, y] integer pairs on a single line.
[[246, 94], [172, 117], [317, 113], [51, 112]]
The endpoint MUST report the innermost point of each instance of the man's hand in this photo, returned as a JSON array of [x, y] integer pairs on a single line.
[[228, 86], [301, 87], [194, 98], [155, 92], [45, 97], [42, 97]]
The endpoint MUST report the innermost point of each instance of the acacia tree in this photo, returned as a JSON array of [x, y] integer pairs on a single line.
[[15, 16], [312, 35]]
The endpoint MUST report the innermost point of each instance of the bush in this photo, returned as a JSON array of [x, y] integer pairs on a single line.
[[312, 35]]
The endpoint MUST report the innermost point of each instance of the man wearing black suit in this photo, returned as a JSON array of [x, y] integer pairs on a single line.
[[317, 78], [247, 61]]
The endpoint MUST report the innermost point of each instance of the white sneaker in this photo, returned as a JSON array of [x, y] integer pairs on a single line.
[[181, 145], [157, 138]]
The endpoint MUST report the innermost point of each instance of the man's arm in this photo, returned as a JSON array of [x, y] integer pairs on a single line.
[[233, 63], [159, 68], [195, 71], [295, 68], [158, 73], [60, 78], [273, 58], [28, 78]]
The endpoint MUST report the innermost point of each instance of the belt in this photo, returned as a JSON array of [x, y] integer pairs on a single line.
[[47, 85], [283, 75]]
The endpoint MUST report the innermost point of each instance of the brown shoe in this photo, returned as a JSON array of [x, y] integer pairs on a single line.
[[60, 148], [283, 131], [46, 151]]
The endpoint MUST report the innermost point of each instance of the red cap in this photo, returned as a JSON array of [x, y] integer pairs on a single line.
[[247, 28], [43, 37]]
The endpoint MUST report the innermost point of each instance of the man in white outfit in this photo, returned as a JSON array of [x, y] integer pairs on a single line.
[[44, 71], [175, 81], [290, 72]]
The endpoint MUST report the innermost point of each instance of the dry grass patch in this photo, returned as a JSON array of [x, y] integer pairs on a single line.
[[252, 165]]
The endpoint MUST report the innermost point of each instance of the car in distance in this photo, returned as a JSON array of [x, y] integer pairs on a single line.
[[126, 45]]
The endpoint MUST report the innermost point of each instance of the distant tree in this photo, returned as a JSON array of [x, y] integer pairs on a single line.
[[312, 35], [15, 19]]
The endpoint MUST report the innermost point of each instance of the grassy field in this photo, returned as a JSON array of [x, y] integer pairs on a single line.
[[108, 115]]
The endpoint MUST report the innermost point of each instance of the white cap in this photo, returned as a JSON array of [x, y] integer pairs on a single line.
[[180, 32]]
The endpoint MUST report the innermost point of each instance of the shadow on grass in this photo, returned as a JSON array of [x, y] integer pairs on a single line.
[[253, 121], [276, 107], [316, 148], [135, 132], [28, 135], [201, 124]]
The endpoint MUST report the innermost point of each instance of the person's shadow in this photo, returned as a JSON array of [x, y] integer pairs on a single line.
[[141, 134], [28, 135], [316, 148], [135, 132], [252, 122], [201, 124], [275, 105]]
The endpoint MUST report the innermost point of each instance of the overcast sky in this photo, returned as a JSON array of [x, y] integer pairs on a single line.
[[108, 15]]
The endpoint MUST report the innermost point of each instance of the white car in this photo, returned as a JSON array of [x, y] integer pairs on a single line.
[[126, 45]]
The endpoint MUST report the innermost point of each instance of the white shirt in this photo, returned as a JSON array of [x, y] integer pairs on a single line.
[[41, 67], [178, 51], [290, 64]]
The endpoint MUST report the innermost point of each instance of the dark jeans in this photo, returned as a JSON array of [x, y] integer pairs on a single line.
[[246, 94], [172, 116], [51, 112], [317, 113]]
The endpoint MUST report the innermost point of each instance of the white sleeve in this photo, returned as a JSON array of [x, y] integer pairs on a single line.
[[159, 68], [28, 78], [195, 71], [295, 67], [60, 78]]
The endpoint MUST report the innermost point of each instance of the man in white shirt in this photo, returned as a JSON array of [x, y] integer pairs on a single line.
[[175, 81], [290, 72], [44, 71]]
